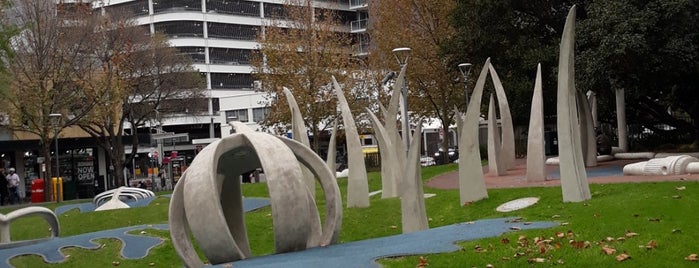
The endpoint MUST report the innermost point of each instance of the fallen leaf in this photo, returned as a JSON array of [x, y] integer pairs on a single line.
[[608, 250], [631, 234], [521, 237], [681, 188], [622, 257], [621, 239], [560, 261], [560, 235], [654, 219], [504, 240], [489, 266], [152, 263], [469, 222], [515, 220], [505, 258], [115, 263], [527, 223], [515, 228], [465, 203], [143, 232], [555, 216], [609, 239], [675, 231], [595, 215], [692, 257], [570, 234], [68, 256], [577, 244], [536, 260], [393, 227], [519, 254], [422, 262], [651, 244], [564, 223], [676, 197], [542, 249]]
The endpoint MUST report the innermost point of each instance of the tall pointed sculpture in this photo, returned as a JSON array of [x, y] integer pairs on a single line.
[[390, 163], [587, 131], [391, 179], [298, 131], [507, 147], [332, 148], [414, 215], [471, 180], [357, 182], [536, 156], [574, 182], [496, 166]]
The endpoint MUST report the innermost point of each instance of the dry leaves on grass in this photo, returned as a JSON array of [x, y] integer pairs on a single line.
[[622, 257], [422, 262], [607, 250], [692, 257]]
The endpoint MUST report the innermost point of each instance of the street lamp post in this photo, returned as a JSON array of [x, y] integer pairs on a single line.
[[402, 54], [55, 119], [465, 69]]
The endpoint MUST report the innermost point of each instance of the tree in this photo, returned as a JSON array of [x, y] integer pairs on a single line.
[[422, 26], [45, 68], [136, 79], [301, 51], [650, 48], [517, 35]]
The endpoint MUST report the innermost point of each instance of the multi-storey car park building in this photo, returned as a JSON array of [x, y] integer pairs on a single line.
[[220, 36]]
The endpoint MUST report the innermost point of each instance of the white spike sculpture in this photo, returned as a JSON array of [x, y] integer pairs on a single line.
[[471, 179], [391, 179], [507, 146], [587, 131], [414, 215], [536, 156], [574, 184], [207, 202], [332, 148], [357, 181], [298, 131], [495, 163]]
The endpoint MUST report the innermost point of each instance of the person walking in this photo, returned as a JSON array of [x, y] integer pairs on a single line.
[[13, 186], [3, 190]]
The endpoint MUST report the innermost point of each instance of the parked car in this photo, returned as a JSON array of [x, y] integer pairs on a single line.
[[452, 155]]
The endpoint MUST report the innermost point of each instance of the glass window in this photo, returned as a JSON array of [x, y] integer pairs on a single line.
[[237, 115], [259, 114]]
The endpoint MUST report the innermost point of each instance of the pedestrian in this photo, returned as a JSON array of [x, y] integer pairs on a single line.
[[13, 186], [3, 191]]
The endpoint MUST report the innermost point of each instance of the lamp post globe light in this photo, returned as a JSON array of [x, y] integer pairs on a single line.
[[465, 69], [55, 120], [402, 54]]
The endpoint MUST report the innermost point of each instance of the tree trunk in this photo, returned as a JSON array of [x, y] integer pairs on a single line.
[[445, 144], [46, 153]]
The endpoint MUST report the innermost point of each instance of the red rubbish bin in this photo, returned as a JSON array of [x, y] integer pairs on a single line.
[[38, 190]]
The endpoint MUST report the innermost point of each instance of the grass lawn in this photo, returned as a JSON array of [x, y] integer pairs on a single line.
[[652, 223]]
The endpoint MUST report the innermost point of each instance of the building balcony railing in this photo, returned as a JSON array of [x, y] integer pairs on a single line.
[[358, 25], [355, 4]]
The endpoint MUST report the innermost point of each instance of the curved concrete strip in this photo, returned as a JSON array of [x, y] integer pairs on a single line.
[[471, 179], [536, 155], [389, 184], [587, 130], [507, 145], [357, 182], [661, 155], [298, 130], [413, 212], [495, 164], [6, 221], [671, 165], [574, 182], [332, 148]]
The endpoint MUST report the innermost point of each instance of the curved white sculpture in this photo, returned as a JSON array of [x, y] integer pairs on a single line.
[[636, 155], [6, 221], [208, 201], [536, 168], [587, 130], [471, 180], [298, 131], [574, 182], [412, 197], [357, 182], [671, 165], [390, 117], [121, 192], [496, 165], [507, 145], [332, 148], [389, 159]]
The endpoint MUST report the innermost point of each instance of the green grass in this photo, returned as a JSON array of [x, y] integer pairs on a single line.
[[655, 211]]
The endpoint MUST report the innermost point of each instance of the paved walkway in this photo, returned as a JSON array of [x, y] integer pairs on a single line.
[[604, 172]]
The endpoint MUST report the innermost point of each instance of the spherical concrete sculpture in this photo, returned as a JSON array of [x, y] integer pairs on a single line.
[[208, 201]]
